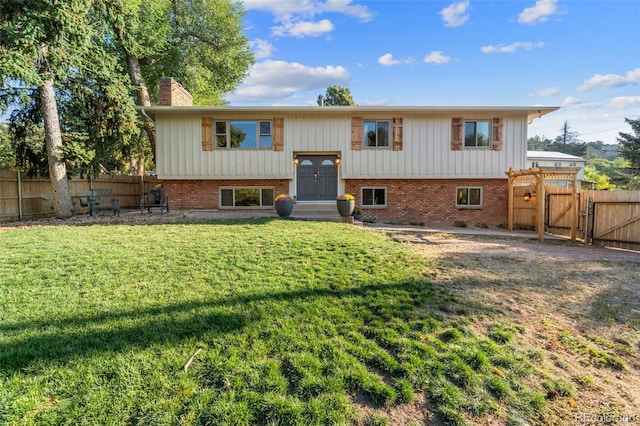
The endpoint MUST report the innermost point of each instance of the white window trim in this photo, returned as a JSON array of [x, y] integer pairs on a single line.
[[464, 125], [233, 188], [470, 206], [227, 134], [389, 144], [374, 206]]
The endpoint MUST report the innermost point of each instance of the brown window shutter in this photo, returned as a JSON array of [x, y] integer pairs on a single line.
[[278, 134], [207, 134], [497, 135], [397, 134], [356, 133], [456, 134]]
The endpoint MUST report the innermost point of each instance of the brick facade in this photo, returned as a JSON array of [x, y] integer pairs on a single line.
[[205, 194], [434, 201], [171, 93], [429, 201]]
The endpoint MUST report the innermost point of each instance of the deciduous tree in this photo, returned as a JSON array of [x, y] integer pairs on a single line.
[[336, 96], [201, 43], [42, 44], [630, 145]]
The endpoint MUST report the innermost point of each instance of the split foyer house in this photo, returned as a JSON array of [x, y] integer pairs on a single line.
[[410, 164]]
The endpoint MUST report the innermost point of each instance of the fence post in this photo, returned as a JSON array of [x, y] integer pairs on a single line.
[[586, 222], [20, 214]]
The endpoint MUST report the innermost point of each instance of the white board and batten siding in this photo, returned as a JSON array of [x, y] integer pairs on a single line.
[[180, 155], [426, 152]]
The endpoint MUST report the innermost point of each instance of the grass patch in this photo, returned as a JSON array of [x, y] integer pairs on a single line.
[[594, 354], [295, 322]]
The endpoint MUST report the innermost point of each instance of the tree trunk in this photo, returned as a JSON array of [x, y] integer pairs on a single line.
[[62, 203], [143, 100]]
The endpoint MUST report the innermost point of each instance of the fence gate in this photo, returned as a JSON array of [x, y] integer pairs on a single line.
[[616, 224], [558, 211]]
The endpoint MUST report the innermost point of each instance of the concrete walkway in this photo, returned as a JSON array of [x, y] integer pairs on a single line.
[[331, 217], [474, 231]]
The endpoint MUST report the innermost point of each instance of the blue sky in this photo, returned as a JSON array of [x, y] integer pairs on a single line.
[[580, 55]]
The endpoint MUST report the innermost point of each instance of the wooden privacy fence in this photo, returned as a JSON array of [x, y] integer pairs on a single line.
[[607, 218], [614, 219], [26, 198]]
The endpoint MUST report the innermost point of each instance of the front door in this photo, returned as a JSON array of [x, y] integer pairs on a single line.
[[317, 177]]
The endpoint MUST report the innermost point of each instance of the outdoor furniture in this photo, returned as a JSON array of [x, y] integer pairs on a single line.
[[102, 199], [156, 198]]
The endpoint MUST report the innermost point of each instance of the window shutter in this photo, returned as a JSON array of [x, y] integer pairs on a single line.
[[278, 134], [207, 134], [397, 134], [356, 133], [497, 135], [456, 134]]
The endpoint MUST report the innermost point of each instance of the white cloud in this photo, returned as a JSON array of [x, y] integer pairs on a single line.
[[346, 7], [374, 102], [287, 9], [547, 92], [261, 48], [607, 81], [540, 12], [511, 48], [455, 14], [570, 100], [273, 80], [303, 28], [575, 103], [388, 60], [436, 57], [621, 102]]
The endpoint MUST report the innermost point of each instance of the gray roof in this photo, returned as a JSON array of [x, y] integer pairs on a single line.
[[551, 155], [531, 112]]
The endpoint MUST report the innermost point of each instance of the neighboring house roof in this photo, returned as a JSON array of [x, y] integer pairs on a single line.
[[531, 112], [551, 155]]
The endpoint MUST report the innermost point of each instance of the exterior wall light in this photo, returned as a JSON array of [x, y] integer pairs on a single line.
[[295, 160], [337, 161], [527, 196]]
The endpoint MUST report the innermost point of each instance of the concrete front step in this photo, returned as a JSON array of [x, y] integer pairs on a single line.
[[322, 211], [309, 207]]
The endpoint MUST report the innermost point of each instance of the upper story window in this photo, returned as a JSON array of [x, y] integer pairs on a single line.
[[243, 134], [477, 133], [376, 133]]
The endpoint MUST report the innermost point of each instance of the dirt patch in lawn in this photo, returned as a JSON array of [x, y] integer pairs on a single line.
[[579, 307]]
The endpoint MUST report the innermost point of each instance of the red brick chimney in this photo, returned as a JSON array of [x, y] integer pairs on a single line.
[[173, 94]]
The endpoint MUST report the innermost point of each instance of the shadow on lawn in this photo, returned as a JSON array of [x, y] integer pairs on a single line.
[[35, 341]]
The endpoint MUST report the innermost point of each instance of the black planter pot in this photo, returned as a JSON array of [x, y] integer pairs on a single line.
[[284, 208], [345, 207]]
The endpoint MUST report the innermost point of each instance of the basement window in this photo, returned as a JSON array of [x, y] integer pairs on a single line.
[[246, 197], [468, 197], [374, 197]]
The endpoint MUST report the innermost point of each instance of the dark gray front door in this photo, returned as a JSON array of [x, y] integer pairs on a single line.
[[317, 177]]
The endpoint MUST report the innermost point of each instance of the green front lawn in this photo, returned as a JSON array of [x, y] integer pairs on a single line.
[[297, 322]]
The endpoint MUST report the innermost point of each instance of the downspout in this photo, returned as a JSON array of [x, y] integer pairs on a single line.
[[144, 114]]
